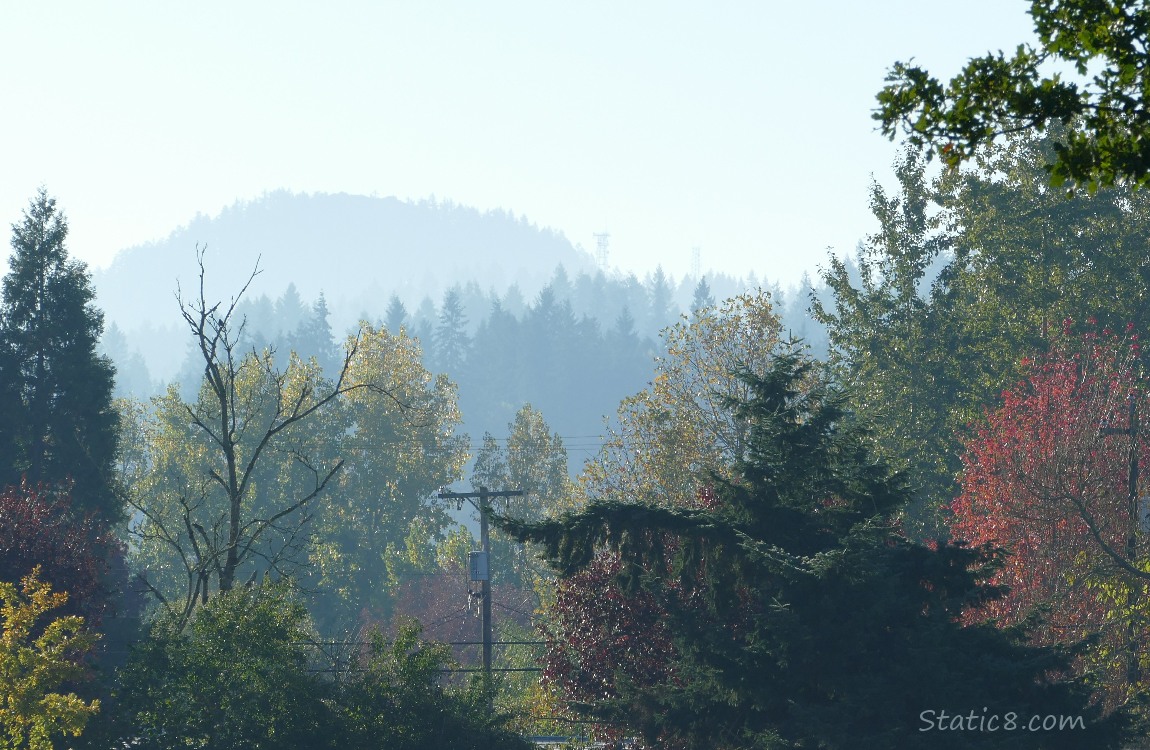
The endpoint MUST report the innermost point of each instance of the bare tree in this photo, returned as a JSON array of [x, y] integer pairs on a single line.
[[232, 475]]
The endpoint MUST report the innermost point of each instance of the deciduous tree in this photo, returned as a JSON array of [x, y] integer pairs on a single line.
[[889, 333], [670, 437], [243, 674], [531, 459], [399, 443], [1087, 74], [968, 273], [668, 444], [40, 530], [398, 700], [798, 615], [233, 676], [38, 657], [1047, 478], [232, 475]]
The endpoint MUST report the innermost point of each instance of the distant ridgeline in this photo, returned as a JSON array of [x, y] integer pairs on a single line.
[[559, 334]]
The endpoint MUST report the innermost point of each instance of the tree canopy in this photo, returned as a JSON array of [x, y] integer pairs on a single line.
[[59, 423], [797, 614], [248, 672], [41, 656], [1087, 78], [968, 272], [1047, 478]]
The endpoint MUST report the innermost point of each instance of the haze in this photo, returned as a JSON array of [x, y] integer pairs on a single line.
[[741, 128]]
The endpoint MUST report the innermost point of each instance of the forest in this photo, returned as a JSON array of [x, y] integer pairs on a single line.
[[904, 507]]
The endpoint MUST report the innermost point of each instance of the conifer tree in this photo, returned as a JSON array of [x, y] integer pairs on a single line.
[[290, 311], [62, 427], [702, 297], [796, 614], [451, 340], [313, 338], [662, 308], [396, 315]]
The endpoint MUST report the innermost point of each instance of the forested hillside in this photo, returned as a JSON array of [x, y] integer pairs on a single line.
[[332, 471], [537, 325]]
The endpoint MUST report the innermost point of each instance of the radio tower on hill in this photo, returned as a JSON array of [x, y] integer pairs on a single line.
[[601, 250]]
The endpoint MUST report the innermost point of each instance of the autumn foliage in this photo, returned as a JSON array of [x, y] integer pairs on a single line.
[[39, 527], [41, 655], [1046, 478]]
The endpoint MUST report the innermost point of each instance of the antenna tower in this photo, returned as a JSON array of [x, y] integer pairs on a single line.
[[696, 265], [601, 250]]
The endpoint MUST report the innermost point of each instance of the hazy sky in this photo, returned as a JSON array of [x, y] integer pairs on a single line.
[[740, 128]]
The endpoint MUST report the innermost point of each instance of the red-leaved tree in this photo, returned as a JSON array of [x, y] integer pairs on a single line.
[[1047, 478], [39, 527], [604, 640]]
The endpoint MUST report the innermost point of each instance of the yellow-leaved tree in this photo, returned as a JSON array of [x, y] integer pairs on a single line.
[[36, 660], [672, 435]]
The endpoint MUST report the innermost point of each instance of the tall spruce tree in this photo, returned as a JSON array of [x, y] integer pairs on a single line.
[[62, 428], [396, 315], [313, 338], [702, 296], [452, 343], [796, 613]]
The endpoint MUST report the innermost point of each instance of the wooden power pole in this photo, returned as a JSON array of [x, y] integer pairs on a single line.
[[483, 496]]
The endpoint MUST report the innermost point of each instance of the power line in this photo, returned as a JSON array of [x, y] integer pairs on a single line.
[[480, 560]]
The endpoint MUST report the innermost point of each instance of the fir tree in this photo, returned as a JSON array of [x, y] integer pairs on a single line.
[[132, 377], [797, 615], [290, 311], [662, 307], [313, 338], [396, 315], [451, 340], [63, 428], [703, 297]]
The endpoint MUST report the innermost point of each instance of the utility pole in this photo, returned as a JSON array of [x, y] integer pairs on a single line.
[[483, 496], [1133, 671]]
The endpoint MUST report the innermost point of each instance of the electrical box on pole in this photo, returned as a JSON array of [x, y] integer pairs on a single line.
[[478, 563]]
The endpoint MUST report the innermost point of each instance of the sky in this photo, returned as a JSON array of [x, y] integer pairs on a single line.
[[742, 129]]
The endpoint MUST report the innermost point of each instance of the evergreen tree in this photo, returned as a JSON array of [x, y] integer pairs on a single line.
[[662, 310], [313, 338], [290, 311], [423, 327], [11, 414], [703, 297], [491, 387], [561, 285], [62, 426], [513, 301], [451, 340], [796, 615], [258, 315], [549, 329], [624, 329], [132, 377], [396, 315]]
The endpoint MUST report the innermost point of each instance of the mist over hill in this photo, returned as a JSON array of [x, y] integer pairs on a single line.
[[356, 250], [512, 313]]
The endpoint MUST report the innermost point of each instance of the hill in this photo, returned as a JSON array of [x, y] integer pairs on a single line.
[[357, 250]]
